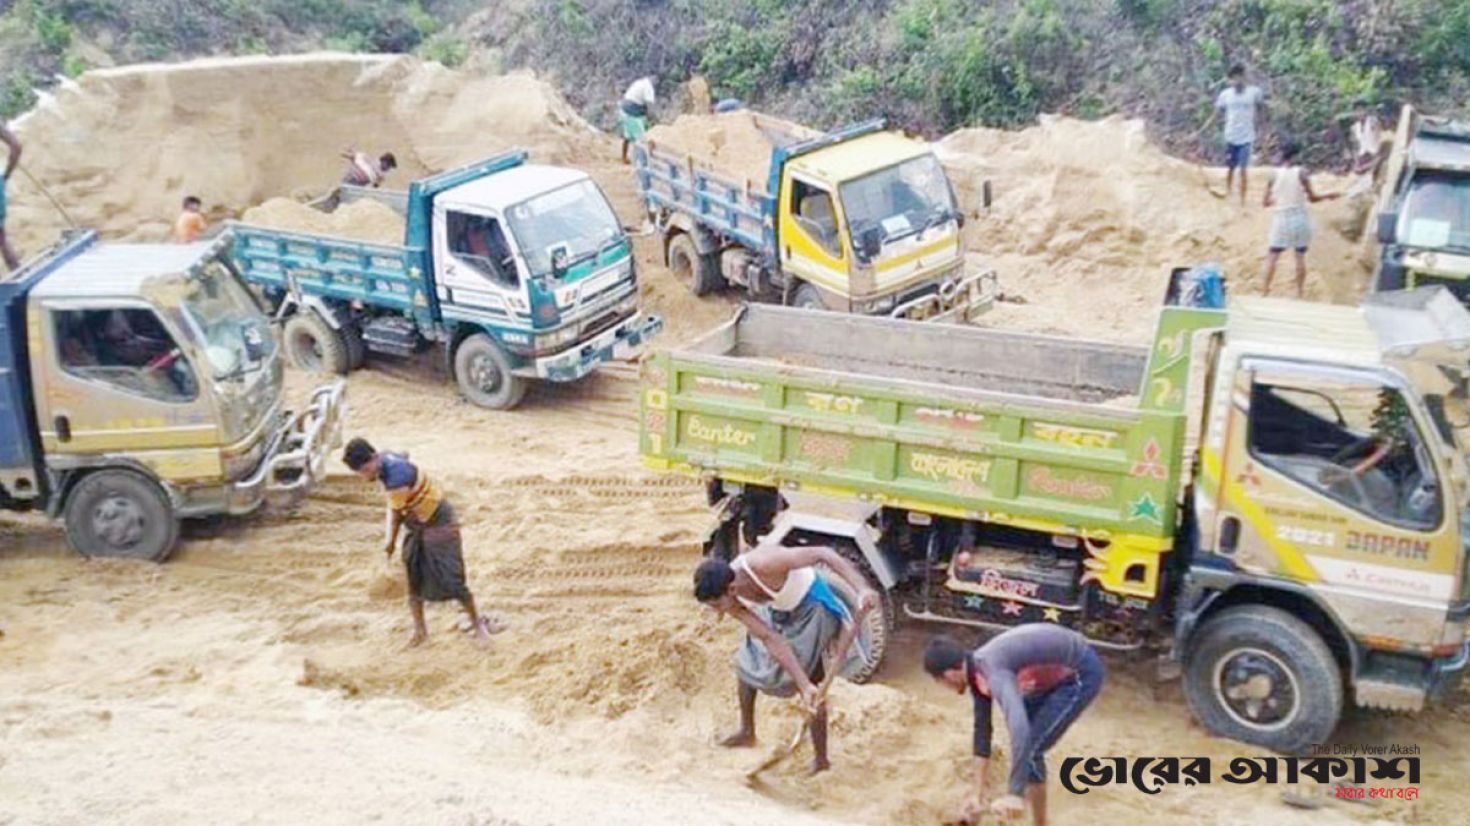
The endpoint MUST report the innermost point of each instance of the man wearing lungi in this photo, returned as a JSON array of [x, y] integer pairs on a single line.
[[432, 554], [794, 614]]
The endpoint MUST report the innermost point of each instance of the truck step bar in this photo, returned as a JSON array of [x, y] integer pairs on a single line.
[[930, 616]]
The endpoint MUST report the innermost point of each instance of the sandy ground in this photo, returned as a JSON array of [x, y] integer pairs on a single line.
[[259, 676]]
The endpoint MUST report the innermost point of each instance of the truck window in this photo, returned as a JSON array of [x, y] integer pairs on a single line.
[[811, 206], [1436, 212], [1356, 444], [127, 349], [478, 241]]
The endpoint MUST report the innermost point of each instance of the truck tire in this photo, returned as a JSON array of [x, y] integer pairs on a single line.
[[1259, 675], [356, 349], [700, 272], [314, 346], [880, 621], [120, 513], [482, 371], [807, 298]]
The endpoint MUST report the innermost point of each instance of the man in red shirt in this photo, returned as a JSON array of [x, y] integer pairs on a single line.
[[1042, 676]]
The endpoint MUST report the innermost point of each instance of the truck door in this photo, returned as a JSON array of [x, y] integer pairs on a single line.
[[810, 229], [478, 267], [1327, 480], [113, 381]]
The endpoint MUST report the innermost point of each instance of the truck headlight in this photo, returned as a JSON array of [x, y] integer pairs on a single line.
[[557, 338]]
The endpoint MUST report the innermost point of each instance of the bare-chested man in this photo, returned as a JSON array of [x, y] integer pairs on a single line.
[[794, 614]]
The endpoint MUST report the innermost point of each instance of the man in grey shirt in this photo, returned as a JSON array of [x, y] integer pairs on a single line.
[[1042, 676], [1240, 103]]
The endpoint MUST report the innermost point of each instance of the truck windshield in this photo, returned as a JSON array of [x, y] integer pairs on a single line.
[[901, 200], [1436, 213], [237, 335], [575, 218]]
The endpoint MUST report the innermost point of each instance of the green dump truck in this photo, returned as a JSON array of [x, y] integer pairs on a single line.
[[1275, 493]]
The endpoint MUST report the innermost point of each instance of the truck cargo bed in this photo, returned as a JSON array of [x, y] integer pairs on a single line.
[[943, 418]]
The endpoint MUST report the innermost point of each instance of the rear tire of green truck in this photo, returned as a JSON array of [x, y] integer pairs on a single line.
[[483, 373], [700, 272], [356, 349], [879, 622], [314, 346], [807, 297], [1259, 675], [120, 513]]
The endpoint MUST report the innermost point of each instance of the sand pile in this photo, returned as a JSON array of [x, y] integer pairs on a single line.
[[119, 148], [731, 142], [1089, 218], [360, 220]]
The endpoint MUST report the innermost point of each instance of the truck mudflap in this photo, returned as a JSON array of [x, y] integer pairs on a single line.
[[956, 301], [623, 342], [296, 456]]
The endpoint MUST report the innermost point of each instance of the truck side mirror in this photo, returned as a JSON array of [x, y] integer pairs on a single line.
[[1388, 223], [870, 243]]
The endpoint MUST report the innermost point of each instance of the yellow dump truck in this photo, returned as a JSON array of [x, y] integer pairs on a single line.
[[140, 384], [859, 220], [1275, 494]]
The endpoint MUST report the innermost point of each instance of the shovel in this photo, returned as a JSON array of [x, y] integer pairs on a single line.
[[806, 721]]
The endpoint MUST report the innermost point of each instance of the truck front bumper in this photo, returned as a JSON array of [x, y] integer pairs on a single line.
[[957, 300], [621, 342], [296, 455]]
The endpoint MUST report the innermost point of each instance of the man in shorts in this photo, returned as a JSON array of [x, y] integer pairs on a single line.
[[633, 111], [1239, 103], [1287, 197]]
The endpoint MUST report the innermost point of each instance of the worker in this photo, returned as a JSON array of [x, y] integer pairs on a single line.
[[191, 222], [1043, 676], [432, 551], [364, 171], [1367, 149], [633, 112], [12, 261], [1240, 102], [799, 622], [1287, 196]]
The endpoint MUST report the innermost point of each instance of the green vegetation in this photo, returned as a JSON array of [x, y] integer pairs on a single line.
[[930, 65]]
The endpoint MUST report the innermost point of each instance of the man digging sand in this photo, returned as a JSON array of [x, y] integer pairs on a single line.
[[432, 554], [794, 614]]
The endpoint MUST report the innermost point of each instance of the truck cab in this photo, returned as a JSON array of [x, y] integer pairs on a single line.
[[1423, 215], [143, 385], [518, 271]]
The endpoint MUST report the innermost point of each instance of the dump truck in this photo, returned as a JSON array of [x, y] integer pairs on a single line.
[[858, 220], [1271, 498], [140, 384], [519, 271], [1422, 216]]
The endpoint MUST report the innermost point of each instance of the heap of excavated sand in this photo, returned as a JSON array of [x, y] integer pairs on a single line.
[[731, 142], [359, 220], [1089, 217], [119, 148]]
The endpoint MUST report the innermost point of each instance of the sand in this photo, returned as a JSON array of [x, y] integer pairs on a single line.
[[1089, 218], [359, 220], [730, 142], [258, 677]]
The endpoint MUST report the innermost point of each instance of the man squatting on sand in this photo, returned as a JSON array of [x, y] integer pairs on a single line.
[[800, 622], [432, 551]]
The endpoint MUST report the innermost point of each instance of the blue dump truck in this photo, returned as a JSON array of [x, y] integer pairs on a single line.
[[519, 271], [140, 385]]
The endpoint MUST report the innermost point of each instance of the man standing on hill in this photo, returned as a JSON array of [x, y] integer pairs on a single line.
[[1239, 102], [633, 112], [191, 222], [12, 261]]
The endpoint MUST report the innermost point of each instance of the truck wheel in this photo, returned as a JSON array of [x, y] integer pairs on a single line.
[[807, 298], [879, 622], [1260, 675], [483, 372], [352, 342], [122, 514], [313, 346], [700, 272]]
